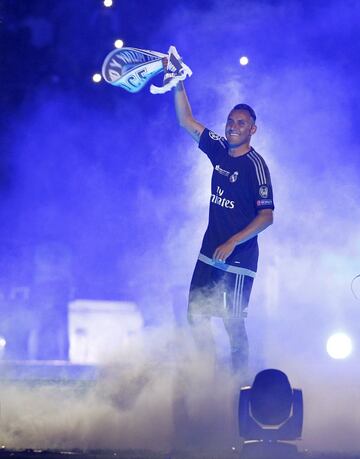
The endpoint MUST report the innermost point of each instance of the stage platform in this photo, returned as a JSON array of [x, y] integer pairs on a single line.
[[46, 370], [147, 454]]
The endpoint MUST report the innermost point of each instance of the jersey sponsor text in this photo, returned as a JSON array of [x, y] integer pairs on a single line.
[[222, 171], [220, 201]]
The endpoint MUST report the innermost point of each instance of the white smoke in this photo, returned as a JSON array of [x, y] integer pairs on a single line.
[[159, 395]]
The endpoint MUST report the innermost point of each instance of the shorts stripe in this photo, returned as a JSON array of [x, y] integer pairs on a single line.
[[238, 303], [235, 291], [238, 295], [241, 295]]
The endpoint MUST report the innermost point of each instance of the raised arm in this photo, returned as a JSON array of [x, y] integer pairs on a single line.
[[184, 113]]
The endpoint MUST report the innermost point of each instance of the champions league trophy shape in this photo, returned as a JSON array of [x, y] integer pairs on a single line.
[[132, 68]]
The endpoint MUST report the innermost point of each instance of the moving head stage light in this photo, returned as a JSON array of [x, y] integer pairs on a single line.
[[270, 414]]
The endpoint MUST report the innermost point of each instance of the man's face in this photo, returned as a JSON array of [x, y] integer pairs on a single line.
[[239, 128]]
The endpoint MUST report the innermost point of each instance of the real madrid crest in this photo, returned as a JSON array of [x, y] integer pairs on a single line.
[[233, 177]]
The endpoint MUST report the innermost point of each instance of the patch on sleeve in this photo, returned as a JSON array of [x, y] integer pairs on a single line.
[[264, 191], [264, 202], [214, 136]]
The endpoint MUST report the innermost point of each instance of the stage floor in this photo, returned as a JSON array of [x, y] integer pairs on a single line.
[[148, 454]]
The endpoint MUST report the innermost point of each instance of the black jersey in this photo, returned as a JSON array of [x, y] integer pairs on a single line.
[[240, 187]]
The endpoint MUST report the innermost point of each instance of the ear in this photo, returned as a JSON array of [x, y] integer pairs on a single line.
[[253, 129]]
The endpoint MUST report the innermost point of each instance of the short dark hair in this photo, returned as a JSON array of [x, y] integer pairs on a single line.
[[246, 108]]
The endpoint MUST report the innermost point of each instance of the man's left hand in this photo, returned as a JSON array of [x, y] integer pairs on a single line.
[[223, 251]]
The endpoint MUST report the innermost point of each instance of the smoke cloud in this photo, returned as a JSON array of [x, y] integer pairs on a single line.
[[159, 395]]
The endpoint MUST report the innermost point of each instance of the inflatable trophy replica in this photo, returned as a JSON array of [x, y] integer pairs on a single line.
[[132, 68]]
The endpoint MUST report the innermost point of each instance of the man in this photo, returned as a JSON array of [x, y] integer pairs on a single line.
[[241, 206]]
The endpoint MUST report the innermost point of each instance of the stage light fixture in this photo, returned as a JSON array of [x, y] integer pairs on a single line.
[[96, 78], [118, 43], [270, 415], [108, 3], [244, 60], [339, 345]]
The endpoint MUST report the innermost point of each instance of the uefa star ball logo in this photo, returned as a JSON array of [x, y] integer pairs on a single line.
[[214, 136]]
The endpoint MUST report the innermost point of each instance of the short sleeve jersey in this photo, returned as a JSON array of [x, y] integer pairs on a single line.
[[240, 187]]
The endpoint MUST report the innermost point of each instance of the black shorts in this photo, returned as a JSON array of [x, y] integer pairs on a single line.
[[215, 292]]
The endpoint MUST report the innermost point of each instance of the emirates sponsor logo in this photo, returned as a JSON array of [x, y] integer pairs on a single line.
[[220, 200]]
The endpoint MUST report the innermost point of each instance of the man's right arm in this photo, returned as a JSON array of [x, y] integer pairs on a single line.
[[184, 113]]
